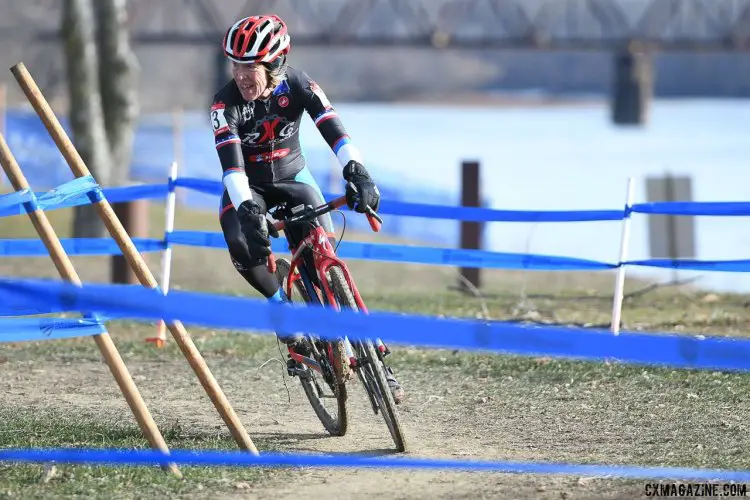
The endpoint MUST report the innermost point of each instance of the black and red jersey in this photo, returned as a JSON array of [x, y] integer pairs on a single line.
[[262, 137]]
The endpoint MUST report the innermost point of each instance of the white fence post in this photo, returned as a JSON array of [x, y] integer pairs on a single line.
[[166, 258], [620, 279]]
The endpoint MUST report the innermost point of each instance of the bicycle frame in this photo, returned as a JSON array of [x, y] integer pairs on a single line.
[[324, 257], [365, 357]]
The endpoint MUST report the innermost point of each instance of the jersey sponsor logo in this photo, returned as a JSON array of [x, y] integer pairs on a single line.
[[283, 101], [270, 130], [218, 122], [269, 156], [247, 110], [281, 88], [321, 95]]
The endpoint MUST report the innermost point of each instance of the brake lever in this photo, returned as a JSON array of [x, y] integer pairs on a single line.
[[373, 218], [372, 213]]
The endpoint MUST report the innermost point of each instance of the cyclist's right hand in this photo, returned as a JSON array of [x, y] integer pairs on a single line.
[[256, 228], [361, 191]]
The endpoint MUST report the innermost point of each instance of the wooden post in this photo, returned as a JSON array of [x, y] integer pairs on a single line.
[[183, 340], [134, 218], [103, 340], [471, 232]]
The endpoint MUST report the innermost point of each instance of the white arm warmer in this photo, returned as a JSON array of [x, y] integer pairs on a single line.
[[349, 152], [237, 187]]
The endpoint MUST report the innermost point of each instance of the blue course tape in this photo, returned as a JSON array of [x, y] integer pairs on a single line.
[[711, 208], [141, 192], [414, 254], [33, 329], [69, 192], [205, 186], [10, 204], [80, 191], [387, 207], [732, 266], [369, 251], [209, 239], [465, 258], [476, 214], [72, 193], [682, 351], [240, 459], [391, 207], [75, 246]]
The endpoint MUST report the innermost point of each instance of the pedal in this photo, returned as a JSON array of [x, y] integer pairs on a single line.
[[295, 369]]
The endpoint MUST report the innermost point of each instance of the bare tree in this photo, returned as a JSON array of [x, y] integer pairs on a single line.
[[117, 80], [103, 95], [86, 115]]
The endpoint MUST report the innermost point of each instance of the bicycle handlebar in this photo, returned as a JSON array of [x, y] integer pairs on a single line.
[[372, 217]]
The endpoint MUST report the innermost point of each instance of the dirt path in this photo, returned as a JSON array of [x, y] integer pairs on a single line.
[[474, 417]]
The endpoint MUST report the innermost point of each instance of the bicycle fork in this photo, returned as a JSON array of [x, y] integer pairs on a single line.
[[379, 345]]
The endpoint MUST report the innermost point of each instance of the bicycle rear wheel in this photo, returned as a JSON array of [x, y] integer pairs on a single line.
[[372, 372], [332, 414]]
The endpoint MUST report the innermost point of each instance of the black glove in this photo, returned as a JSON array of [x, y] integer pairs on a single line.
[[256, 229], [361, 190]]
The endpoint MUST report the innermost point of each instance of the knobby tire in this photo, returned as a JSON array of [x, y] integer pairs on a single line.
[[336, 426], [374, 367]]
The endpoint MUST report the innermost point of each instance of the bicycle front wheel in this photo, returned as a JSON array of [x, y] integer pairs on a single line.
[[325, 391], [372, 371]]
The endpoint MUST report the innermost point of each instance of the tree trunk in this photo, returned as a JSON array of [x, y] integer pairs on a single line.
[[86, 116], [118, 68]]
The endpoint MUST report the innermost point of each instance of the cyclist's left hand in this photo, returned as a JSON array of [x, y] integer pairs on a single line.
[[361, 190]]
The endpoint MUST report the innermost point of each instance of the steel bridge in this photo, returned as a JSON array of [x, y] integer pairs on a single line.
[[604, 25]]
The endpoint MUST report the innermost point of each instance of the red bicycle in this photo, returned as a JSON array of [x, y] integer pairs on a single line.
[[331, 363]]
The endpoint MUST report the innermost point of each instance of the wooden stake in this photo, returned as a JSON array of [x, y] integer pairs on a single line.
[[181, 337], [103, 340]]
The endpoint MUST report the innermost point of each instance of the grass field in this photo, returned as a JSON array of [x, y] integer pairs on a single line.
[[458, 405]]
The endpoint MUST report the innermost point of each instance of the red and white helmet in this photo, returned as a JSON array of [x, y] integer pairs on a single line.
[[257, 39]]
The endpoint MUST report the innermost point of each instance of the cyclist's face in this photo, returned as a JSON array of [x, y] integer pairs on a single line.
[[251, 80]]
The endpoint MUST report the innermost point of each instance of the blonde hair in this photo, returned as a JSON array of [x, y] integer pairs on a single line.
[[275, 75]]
